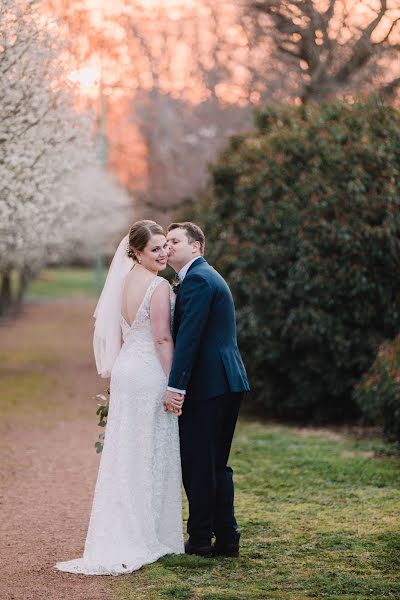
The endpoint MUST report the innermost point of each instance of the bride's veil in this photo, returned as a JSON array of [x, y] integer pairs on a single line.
[[107, 330]]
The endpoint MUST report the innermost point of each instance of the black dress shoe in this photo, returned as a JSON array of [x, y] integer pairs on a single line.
[[205, 551], [228, 550]]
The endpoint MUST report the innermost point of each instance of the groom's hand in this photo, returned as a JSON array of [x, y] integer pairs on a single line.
[[173, 402]]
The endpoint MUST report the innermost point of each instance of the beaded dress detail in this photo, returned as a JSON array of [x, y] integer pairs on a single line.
[[137, 514]]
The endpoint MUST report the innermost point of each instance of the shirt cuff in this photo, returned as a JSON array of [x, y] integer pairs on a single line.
[[171, 389]]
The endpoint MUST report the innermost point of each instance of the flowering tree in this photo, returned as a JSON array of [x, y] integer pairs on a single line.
[[96, 211], [46, 152]]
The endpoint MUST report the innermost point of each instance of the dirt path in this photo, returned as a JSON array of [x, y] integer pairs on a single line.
[[48, 463]]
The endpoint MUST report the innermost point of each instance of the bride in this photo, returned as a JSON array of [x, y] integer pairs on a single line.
[[136, 516]]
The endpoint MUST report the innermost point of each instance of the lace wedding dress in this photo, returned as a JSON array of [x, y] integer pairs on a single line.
[[136, 515]]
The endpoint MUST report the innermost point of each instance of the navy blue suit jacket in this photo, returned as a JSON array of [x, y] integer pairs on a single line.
[[207, 361]]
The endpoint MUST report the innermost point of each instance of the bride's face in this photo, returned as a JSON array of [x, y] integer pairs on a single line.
[[154, 256]]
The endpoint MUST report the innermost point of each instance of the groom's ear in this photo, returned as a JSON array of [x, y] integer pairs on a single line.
[[196, 245]]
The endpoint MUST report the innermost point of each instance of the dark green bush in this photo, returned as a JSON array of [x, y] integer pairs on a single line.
[[302, 218], [378, 393]]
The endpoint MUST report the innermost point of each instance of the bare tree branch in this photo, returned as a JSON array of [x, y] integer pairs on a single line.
[[336, 47], [389, 89]]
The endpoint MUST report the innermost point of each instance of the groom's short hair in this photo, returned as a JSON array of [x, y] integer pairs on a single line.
[[193, 233]]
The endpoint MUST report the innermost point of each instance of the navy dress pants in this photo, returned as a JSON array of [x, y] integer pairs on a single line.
[[206, 430]]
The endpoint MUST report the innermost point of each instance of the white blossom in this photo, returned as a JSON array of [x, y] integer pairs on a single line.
[[55, 200]]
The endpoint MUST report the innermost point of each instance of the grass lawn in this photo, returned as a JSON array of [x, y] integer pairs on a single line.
[[65, 283], [320, 518]]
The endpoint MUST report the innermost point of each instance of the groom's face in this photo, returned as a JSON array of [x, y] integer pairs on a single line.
[[181, 251]]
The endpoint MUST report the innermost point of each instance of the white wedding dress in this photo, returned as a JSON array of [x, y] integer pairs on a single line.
[[137, 513]]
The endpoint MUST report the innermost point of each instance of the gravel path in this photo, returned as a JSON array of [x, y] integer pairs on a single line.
[[48, 463]]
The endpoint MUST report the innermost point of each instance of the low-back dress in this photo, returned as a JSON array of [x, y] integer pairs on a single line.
[[137, 514]]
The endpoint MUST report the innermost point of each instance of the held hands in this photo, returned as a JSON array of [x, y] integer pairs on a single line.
[[173, 402]]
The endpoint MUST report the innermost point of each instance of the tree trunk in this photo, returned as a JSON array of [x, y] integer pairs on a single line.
[[5, 293], [24, 279]]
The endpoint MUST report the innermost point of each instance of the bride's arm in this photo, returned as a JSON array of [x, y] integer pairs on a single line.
[[160, 318]]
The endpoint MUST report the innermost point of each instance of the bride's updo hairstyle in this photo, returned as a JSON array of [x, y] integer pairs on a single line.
[[139, 235]]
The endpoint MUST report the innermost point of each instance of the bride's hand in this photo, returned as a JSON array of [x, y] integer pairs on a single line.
[[176, 411], [173, 402]]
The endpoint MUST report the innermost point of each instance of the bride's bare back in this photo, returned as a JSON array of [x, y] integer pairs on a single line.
[[136, 283]]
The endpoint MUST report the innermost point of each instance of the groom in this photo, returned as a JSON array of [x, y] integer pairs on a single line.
[[208, 371]]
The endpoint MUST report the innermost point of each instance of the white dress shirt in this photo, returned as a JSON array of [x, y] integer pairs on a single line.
[[185, 269], [181, 277]]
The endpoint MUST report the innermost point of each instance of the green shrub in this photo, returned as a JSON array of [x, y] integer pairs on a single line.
[[302, 218], [378, 393]]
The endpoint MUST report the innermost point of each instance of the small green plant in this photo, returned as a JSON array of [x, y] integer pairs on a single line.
[[378, 393], [102, 413]]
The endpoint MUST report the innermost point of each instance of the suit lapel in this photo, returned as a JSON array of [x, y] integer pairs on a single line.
[[198, 261]]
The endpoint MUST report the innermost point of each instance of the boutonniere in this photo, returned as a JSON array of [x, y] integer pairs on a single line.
[[176, 285]]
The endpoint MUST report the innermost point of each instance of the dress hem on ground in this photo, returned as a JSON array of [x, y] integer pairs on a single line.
[[81, 566]]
